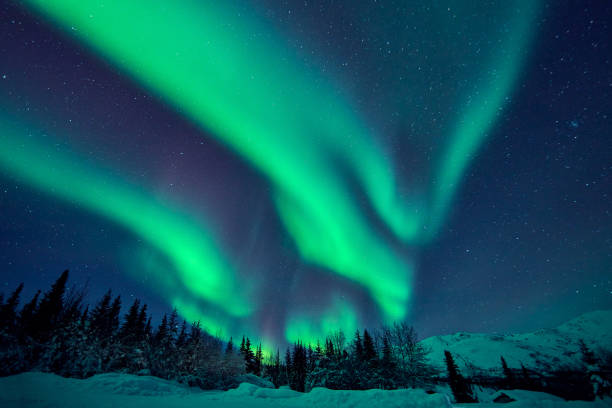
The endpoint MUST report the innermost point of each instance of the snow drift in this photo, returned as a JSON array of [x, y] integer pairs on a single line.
[[38, 390]]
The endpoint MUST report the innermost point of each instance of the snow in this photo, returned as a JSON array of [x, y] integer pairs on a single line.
[[556, 347], [38, 390], [524, 395]]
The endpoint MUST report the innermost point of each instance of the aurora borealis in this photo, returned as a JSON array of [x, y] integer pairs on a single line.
[[286, 170]]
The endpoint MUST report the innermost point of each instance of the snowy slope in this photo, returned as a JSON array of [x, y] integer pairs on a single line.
[[555, 348], [42, 390]]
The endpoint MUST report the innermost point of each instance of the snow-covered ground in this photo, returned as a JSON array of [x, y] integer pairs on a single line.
[[556, 347], [42, 390]]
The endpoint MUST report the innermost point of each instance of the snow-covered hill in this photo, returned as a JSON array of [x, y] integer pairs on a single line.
[[553, 348]]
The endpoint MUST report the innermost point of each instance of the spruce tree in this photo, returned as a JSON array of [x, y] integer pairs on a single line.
[[526, 381], [181, 339], [148, 330], [310, 358], [299, 368], [162, 330], [318, 351], [276, 370], [113, 318], [8, 314], [26, 318], [369, 350], [588, 357], [249, 357], [357, 347], [288, 365], [508, 375], [141, 327], [387, 364], [242, 347], [229, 349], [129, 329], [48, 313], [173, 325], [329, 348], [459, 386], [100, 318], [258, 360]]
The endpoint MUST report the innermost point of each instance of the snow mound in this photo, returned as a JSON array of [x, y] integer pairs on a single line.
[[408, 398], [38, 390], [121, 384], [251, 390], [526, 396], [42, 390], [253, 379]]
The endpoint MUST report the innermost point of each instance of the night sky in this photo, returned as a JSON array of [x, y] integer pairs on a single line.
[[282, 169]]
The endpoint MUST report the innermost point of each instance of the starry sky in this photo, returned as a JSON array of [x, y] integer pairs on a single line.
[[284, 169]]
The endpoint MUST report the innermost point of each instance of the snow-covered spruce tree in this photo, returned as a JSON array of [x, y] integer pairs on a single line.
[[273, 370], [336, 368], [229, 348], [161, 359], [24, 350], [369, 349], [249, 357], [527, 380], [104, 352], [362, 365], [598, 376], [25, 327], [133, 341], [459, 386], [63, 353], [258, 361], [605, 361], [8, 312], [297, 379], [54, 322], [357, 346], [12, 357], [47, 315], [388, 367], [233, 364]]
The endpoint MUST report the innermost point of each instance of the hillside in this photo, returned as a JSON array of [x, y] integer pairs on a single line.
[[544, 349]]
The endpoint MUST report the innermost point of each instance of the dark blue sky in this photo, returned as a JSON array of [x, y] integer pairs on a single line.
[[527, 242]]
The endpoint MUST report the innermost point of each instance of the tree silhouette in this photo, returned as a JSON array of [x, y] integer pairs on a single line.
[[459, 386]]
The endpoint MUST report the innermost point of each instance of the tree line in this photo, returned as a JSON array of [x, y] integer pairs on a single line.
[[57, 332]]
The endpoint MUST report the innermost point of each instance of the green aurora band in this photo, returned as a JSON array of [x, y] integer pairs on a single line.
[[310, 329], [190, 251], [217, 74], [237, 78], [480, 111]]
